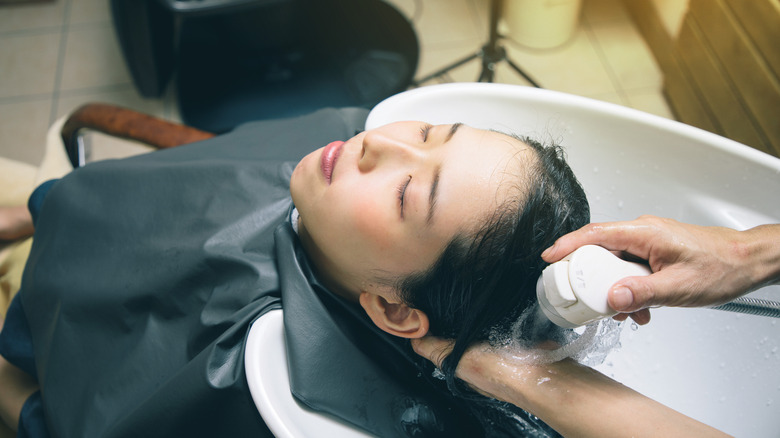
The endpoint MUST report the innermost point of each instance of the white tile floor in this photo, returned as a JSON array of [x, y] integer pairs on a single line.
[[56, 55]]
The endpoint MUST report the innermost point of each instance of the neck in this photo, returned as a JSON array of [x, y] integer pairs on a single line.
[[319, 263]]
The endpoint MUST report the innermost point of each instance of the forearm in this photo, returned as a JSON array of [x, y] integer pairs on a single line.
[[15, 387], [15, 223], [578, 401]]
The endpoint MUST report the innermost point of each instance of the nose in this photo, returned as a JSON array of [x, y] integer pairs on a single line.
[[380, 148]]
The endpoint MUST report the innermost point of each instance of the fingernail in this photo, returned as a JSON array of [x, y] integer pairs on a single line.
[[622, 298], [547, 251]]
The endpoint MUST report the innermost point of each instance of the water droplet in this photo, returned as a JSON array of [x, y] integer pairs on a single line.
[[723, 364], [634, 326], [618, 172], [769, 402], [722, 399], [595, 170], [620, 204]]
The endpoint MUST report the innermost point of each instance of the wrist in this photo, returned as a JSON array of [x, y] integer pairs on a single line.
[[761, 255]]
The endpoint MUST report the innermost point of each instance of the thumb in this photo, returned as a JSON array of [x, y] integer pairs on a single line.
[[662, 288], [634, 293]]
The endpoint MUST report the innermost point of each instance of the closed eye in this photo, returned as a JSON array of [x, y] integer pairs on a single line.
[[402, 193], [424, 132]]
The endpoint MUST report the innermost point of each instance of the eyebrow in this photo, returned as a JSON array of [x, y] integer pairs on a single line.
[[433, 196], [453, 130], [436, 174]]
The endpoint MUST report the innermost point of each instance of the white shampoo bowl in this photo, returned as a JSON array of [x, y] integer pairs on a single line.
[[718, 367]]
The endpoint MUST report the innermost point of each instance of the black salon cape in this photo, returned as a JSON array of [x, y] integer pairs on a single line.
[[146, 274]]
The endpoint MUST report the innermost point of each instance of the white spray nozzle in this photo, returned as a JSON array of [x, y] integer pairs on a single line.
[[573, 291]]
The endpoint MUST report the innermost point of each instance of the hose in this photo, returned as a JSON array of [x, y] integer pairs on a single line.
[[752, 306]]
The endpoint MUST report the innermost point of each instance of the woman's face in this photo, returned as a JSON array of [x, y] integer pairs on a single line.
[[387, 202]]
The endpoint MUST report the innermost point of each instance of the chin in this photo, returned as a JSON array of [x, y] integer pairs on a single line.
[[298, 178]]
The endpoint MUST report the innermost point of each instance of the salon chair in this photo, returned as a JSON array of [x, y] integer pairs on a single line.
[[242, 60], [630, 163]]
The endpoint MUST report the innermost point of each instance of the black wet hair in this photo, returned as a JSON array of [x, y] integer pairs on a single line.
[[483, 281]]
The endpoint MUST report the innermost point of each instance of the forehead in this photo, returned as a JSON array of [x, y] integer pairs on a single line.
[[481, 170], [483, 159], [481, 140]]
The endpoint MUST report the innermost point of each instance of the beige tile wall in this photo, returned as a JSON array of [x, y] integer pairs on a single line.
[[55, 56]]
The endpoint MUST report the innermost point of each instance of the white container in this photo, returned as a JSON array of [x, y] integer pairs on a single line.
[[541, 24]]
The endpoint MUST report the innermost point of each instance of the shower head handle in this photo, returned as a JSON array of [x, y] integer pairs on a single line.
[[573, 291]]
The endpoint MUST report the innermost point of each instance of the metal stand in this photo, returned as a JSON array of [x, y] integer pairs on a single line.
[[491, 54]]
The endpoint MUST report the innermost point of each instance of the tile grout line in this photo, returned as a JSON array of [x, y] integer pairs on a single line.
[[476, 21], [108, 88], [25, 98], [55, 95], [604, 61], [125, 86], [47, 30]]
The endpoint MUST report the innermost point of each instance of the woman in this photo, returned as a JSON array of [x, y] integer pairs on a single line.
[[429, 228]]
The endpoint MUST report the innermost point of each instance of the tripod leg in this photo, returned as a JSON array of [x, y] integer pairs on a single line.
[[521, 72], [488, 71], [446, 69]]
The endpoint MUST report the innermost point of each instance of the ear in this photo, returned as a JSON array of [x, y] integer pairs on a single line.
[[398, 319]]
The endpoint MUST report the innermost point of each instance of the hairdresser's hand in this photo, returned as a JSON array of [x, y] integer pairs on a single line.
[[692, 265]]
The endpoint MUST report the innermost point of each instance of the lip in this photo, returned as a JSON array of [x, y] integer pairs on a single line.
[[328, 159]]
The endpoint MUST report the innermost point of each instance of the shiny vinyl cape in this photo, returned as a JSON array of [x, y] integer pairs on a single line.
[[146, 274]]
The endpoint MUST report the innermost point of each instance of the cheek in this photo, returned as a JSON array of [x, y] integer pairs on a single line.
[[371, 223]]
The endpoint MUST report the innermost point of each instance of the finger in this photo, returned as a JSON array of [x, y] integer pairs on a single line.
[[621, 298], [641, 317], [671, 287], [591, 234], [631, 294], [620, 317], [634, 237]]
